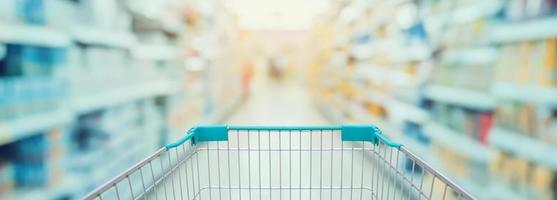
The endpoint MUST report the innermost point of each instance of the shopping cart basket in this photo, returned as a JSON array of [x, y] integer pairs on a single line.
[[270, 162]]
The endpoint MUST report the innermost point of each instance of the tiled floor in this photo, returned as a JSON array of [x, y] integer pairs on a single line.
[[277, 103]]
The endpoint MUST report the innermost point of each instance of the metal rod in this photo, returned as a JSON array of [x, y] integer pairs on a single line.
[[229, 172], [259, 154], [198, 174], [121, 176], [280, 165], [320, 164], [179, 175], [209, 172], [130, 185], [300, 177], [249, 166], [352, 173], [397, 174], [142, 182], [362, 172], [164, 183], [154, 181], [310, 161], [270, 174], [186, 175], [341, 167], [290, 162], [332, 162], [117, 192], [441, 177], [239, 168], [218, 167], [171, 178]]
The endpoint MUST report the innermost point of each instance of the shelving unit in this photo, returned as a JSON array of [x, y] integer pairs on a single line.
[[407, 112], [66, 189], [474, 55], [163, 86], [26, 126], [525, 93], [521, 31], [463, 97], [34, 35], [87, 35], [155, 52], [84, 104], [528, 148], [457, 141]]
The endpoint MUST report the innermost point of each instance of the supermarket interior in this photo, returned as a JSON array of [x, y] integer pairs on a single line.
[[88, 88]]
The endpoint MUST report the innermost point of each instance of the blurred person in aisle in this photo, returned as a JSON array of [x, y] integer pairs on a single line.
[[247, 48], [277, 65]]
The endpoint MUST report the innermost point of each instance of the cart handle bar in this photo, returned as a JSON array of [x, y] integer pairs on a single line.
[[367, 133]]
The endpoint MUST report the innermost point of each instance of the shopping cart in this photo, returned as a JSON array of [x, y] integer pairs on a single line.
[[270, 162]]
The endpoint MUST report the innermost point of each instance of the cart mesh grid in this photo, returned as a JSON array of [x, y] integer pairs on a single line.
[[336, 162]]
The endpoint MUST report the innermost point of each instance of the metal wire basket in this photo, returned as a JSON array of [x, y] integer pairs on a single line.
[[271, 162]]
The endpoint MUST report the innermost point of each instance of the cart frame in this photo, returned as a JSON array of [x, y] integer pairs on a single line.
[[150, 179]]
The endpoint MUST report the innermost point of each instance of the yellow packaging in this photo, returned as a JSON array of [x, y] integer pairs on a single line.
[[548, 74], [527, 120], [537, 54], [541, 181], [523, 74], [498, 163]]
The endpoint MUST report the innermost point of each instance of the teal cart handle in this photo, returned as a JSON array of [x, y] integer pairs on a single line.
[[189, 135], [353, 133]]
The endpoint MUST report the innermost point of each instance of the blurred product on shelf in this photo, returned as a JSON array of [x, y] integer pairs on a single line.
[[471, 123], [534, 121], [33, 162], [29, 95], [531, 9], [6, 178], [467, 77], [528, 63], [525, 178], [80, 80]]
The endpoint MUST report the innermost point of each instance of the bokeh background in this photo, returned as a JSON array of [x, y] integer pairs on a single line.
[[90, 87]]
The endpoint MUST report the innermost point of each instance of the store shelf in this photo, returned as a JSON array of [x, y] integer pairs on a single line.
[[32, 124], [109, 38], [33, 35], [531, 30], [68, 188], [479, 56], [420, 150], [424, 152], [377, 97], [457, 141], [116, 143], [399, 52], [155, 52], [84, 104], [475, 11], [501, 191], [468, 184], [459, 96], [467, 13], [407, 112], [529, 93], [534, 150], [117, 164]]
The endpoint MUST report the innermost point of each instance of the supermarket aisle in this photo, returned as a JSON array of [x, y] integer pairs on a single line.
[[277, 103]]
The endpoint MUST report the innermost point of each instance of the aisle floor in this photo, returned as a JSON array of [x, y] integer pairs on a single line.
[[277, 103]]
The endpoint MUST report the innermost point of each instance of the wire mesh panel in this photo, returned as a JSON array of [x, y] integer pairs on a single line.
[[281, 163]]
